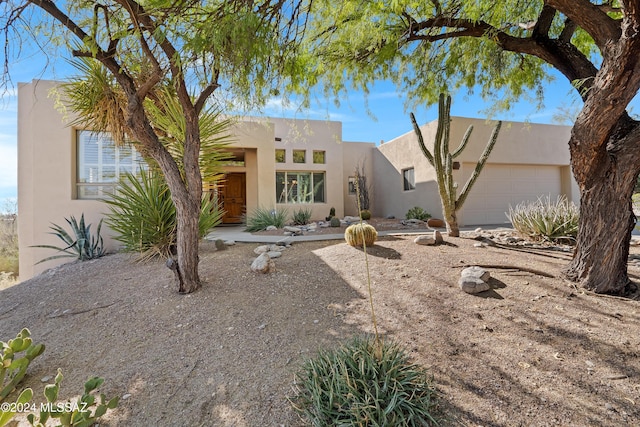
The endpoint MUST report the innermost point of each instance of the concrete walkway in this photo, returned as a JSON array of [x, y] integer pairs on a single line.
[[237, 234]]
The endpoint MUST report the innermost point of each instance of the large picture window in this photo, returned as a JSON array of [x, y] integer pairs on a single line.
[[300, 187], [101, 164]]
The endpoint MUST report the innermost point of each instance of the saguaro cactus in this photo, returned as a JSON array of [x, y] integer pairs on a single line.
[[442, 161]]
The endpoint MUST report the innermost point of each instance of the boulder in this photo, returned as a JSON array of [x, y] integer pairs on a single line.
[[350, 219], [425, 241], [473, 285], [261, 249], [436, 223], [274, 254], [293, 231], [475, 271], [473, 280], [263, 264], [271, 228]]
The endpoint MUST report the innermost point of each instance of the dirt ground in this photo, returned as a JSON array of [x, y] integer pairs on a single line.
[[533, 351]]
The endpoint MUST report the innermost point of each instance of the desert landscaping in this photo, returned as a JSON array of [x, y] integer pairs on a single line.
[[532, 351]]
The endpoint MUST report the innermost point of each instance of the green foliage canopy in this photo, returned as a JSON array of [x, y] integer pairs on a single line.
[[430, 47]]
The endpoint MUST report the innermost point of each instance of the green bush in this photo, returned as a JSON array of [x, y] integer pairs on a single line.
[[335, 222], [417, 212], [262, 218], [143, 215], [82, 245], [546, 220], [365, 214], [364, 384], [302, 216]]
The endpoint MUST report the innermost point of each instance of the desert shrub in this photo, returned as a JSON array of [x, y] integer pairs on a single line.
[[332, 212], [335, 222], [417, 212], [260, 218], [80, 244], [363, 383], [302, 216], [357, 234], [365, 214], [546, 220], [143, 215], [9, 244]]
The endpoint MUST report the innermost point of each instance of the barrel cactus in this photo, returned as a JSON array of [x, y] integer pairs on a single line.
[[357, 234]]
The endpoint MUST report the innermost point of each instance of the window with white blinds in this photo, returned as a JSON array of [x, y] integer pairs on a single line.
[[101, 164]]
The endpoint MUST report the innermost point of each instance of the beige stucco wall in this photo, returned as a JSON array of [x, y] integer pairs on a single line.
[[357, 154], [46, 177], [518, 143], [257, 140], [310, 135]]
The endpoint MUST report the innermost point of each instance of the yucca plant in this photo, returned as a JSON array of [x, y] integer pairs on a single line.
[[362, 383], [79, 244], [302, 216], [143, 215], [260, 218], [546, 220]]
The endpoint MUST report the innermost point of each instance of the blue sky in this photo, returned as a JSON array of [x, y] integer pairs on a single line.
[[384, 103]]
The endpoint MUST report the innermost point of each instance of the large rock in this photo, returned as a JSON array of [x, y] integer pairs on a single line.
[[436, 223], [475, 271], [425, 241], [263, 264], [293, 231], [474, 279], [473, 285]]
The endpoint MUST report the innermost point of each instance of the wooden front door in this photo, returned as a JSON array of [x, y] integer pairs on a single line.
[[233, 194]]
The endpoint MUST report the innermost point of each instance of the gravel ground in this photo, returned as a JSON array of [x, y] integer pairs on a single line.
[[533, 351]]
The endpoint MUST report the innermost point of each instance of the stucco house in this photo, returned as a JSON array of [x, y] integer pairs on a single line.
[[278, 163]]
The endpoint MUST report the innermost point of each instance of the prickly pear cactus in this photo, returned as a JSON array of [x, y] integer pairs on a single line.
[[356, 234], [16, 356]]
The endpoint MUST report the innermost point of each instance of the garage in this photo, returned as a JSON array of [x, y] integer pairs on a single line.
[[501, 186]]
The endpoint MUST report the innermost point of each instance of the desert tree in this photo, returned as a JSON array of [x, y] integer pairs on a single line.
[[506, 50], [442, 161], [194, 49]]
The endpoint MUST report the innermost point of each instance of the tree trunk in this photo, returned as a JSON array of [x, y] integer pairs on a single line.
[[602, 250], [606, 217], [187, 240]]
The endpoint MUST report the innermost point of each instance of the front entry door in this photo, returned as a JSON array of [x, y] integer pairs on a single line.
[[233, 196]]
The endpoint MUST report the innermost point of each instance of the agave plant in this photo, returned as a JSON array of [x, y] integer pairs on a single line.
[[79, 244]]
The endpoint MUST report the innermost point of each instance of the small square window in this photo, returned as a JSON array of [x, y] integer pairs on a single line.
[[318, 157], [299, 156], [280, 155], [409, 180]]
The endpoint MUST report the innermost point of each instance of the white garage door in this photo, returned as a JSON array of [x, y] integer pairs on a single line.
[[502, 185]]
